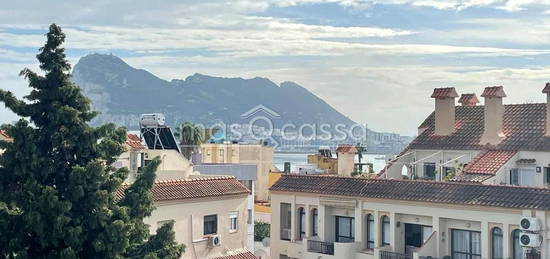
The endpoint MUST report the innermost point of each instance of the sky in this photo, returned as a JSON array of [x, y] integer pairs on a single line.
[[375, 61]]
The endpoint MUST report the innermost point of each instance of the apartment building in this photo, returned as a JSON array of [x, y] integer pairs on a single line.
[[209, 214], [493, 144], [342, 217], [256, 154]]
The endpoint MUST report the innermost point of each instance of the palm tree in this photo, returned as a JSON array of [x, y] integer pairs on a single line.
[[360, 149], [190, 137]]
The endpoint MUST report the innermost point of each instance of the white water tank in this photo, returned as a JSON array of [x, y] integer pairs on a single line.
[[152, 120]]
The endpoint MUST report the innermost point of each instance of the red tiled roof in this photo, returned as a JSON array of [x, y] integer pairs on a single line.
[[488, 162], [459, 193], [134, 141], [493, 91], [546, 88], [468, 100], [245, 255], [182, 189], [523, 127], [346, 148], [4, 135], [447, 92]]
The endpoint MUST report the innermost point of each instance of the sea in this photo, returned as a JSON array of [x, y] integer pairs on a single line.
[[297, 159]]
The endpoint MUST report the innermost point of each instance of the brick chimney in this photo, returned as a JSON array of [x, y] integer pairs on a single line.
[[546, 90], [444, 110], [468, 100], [493, 115]]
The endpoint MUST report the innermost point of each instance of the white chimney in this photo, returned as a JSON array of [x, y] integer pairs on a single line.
[[493, 115], [444, 110], [546, 90]]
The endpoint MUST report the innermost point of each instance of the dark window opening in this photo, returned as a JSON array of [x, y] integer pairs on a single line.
[[210, 224]]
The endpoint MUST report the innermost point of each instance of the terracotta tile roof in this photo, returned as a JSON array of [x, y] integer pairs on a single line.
[[468, 100], [546, 88], [171, 190], [244, 255], [524, 129], [447, 92], [134, 141], [346, 148], [493, 91], [4, 136], [472, 178], [488, 162], [416, 190]]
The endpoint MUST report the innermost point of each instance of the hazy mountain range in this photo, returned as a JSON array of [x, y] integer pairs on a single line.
[[121, 93]]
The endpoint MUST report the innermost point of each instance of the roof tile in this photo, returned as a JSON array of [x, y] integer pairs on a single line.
[[134, 141], [468, 100], [493, 91], [346, 148], [546, 88], [489, 162], [244, 255], [447, 92], [460, 193], [182, 189]]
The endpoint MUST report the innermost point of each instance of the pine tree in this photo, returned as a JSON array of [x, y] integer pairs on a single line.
[[57, 186]]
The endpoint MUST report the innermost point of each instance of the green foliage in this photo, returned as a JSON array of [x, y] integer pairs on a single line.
[[190, 137], [261, 230], [57, 188]]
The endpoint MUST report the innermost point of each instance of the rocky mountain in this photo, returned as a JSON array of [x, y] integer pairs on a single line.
[[121, 93]]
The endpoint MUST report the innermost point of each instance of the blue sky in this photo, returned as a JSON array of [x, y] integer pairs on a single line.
[[375, 61]]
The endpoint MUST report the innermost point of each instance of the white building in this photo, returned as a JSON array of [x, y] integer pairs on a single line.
[[493, 144], [327, 217]]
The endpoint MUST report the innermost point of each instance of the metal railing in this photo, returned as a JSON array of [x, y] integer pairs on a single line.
[[392, 255], [320, 247]]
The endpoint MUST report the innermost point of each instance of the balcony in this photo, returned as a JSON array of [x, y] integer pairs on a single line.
[[392, 255], [320, 247]]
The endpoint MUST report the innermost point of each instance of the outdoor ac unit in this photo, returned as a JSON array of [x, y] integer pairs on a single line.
[[529, 224], [214, 240], [530, 240]]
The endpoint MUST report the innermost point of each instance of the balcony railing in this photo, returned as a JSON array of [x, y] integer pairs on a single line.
[[392, 255], [320, 247]]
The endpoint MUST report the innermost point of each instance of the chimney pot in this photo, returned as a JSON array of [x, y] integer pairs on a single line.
[[444, 110], [468, 100], [546, 90], [493, 115]]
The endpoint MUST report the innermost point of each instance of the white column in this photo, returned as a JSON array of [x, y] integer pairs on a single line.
[[308, 221], [485, 247], [506, 241], [437, 230], [393, 231], [293, 219], [359, 222], [322, 222], [377, 229]]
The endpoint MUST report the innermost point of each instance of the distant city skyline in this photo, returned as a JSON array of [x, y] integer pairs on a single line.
[[374, 61]]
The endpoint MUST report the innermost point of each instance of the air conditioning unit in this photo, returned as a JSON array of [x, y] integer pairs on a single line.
[[530, 240], [529, 224], [214, 240]]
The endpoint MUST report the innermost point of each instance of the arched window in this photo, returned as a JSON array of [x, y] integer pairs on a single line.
[[370, 231], [496, 237], [517, 251], [314, 222], [302, 213], [385, 230]]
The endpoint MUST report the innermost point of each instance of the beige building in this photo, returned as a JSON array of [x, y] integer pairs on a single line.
[[346, 159], [341, 217], [495, 143], [257, 154], [209, 214]]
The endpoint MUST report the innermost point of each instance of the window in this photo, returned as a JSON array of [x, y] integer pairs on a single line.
[[233, 221], [514, 176], [496, 239], [302, 222], [517, 250], [547, 175], [314, 222], [466, 244], [345, 229], [370, 231], [429, 171], [286, 221], [385, 230], [210, 224], [220, 155]]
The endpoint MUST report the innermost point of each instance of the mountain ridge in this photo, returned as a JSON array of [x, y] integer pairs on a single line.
[[121, 93]]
